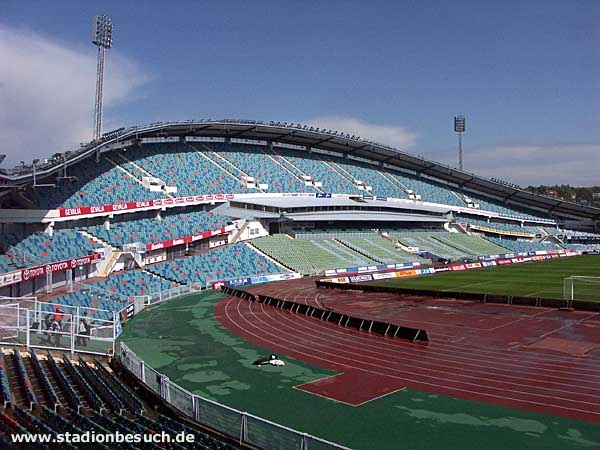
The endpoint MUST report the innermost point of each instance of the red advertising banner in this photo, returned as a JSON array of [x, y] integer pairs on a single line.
[[60, 266], [185, 240], [127, 206]]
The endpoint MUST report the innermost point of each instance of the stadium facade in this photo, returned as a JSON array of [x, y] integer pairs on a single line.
[[149, 213], [129, 200]]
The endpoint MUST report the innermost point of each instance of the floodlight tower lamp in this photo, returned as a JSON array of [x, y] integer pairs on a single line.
[[102, 38], [459, 127]]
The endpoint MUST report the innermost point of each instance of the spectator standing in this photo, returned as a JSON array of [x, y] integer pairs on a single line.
[[55, 329], [48, 319], [83, 330]]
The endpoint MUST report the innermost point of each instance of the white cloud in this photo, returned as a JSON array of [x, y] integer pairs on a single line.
[[47, 92], [394, 136], [526, 165]]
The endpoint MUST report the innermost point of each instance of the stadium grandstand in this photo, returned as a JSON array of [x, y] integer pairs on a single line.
[[148, 213]]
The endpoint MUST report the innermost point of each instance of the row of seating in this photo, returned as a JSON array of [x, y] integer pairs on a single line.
[[103, 391], [582, 247], [251, 161], [9, 426], [37, 426], [24, 378], [61, 425], [170, 426], [29, 249], [218, 168], [92, 183], [73, 399], [109, 406], [380, 249], [470, 246], [171, 225], [309, 256], [502, 227], [223, 263], [91, 396], [120, 389], [93, 424], [520, 246], [5, 395], [47, 388]]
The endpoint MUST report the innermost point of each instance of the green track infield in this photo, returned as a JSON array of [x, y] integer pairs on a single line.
[[183, 340]]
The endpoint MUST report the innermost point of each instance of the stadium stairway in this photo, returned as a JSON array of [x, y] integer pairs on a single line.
[[279, 263], [288, 168], [360, 251], [122, 169], [141, 169], [214, 154], [226, 165], [10, 367], [388, 178], [236, 237], [107, 265], [453, 245], [340, 171], [96, 238], [158, 276], [274, 261]]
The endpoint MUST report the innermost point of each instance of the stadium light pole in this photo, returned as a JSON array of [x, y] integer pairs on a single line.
[[35, 161], [102, 38], [459, 127]]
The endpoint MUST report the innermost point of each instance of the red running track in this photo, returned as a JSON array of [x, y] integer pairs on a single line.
[[481, 352]]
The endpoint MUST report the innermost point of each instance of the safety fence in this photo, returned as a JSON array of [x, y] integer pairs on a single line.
[[87, 329], [241, 426]]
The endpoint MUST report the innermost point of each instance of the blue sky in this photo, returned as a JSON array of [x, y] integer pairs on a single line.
[[526, 74]]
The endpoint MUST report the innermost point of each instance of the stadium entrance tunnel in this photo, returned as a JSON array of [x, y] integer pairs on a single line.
[[345, 320]]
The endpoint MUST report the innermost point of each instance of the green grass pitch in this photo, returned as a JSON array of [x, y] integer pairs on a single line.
[[535, 279]]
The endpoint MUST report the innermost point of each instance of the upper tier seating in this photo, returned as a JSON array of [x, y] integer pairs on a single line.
[[217, 168], [256, 162], [96, 183], [186, 167]]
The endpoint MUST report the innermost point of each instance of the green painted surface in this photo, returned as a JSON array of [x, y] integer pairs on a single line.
[[183, 340]]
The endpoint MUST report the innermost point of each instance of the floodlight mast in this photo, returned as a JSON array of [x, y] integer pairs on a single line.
[[102, 38], [459, 127]]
